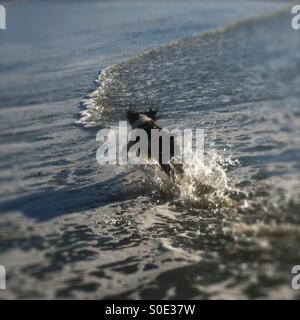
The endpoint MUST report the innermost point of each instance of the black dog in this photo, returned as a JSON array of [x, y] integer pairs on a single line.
[[147, 121]]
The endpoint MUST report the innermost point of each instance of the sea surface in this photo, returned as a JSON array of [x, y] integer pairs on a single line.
[[70, 228]]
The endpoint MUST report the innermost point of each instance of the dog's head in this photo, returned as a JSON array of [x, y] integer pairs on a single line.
[[133, 116]]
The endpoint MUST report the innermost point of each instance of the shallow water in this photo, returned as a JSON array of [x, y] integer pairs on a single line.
[[241, 85], [230, 229]]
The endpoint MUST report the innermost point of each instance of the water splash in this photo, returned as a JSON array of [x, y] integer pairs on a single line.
[[203, 185]]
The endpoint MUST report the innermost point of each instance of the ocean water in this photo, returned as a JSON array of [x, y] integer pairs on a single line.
[[73, 229]]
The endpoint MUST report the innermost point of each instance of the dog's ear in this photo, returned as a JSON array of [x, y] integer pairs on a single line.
[[152, 113]]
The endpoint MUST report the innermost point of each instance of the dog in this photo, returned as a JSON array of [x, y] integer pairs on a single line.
[[147, 121]]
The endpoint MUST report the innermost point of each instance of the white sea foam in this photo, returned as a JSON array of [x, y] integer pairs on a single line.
[[91, 111]]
